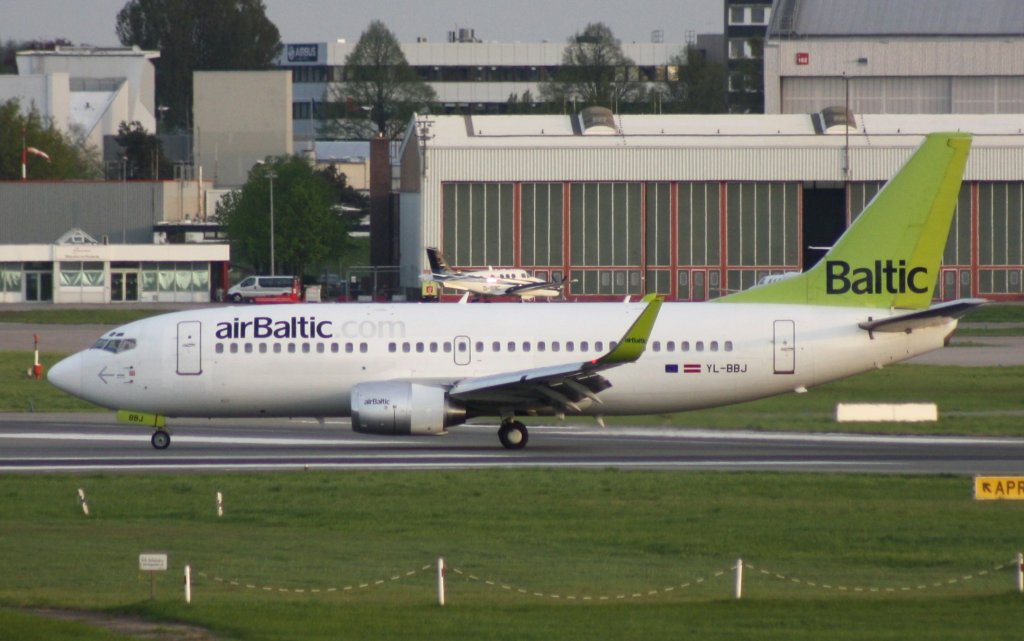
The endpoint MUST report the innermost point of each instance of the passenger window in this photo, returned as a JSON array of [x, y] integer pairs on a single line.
[[570, 346], [526, 346], [685, 346], [541, 346], [349, 348], [670, 346], [599, 346], [447, 347], [699, 346], [305, 348], [584, 346], [291, 348], [363, 348], [728, 346], [248, 348], [433, 347], [392, 347], [263, 348], [406, 348], [479, 346], [511, 346], [554, 346], [495, 346], [714, 346], [320, 348], [656, 346], [234, 348], [219, 348], [419, 347], [335, 348], [277, 348]]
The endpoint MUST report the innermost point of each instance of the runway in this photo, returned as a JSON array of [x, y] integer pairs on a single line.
[[74, 443]]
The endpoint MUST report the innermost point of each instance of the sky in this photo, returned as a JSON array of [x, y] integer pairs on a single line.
[[92, 21]]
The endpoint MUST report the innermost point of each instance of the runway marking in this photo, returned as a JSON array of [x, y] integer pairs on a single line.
[[785, 437], [435, 466], [223, 440]]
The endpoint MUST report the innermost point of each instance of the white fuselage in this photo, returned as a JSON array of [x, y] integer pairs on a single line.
[[303, 360]]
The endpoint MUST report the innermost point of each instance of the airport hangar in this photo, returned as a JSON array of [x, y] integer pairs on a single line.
[[691, 206]]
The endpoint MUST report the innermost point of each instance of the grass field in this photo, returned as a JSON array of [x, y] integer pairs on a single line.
[[570, 534]]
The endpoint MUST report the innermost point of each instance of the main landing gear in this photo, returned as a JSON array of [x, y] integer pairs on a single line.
[[513, 435], [161, 439]]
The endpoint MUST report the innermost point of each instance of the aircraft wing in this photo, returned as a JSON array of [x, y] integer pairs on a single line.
[[559, 387], [934, 315], [518, 290]]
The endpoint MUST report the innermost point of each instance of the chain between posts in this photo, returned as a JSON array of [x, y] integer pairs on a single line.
[[1017, 564]]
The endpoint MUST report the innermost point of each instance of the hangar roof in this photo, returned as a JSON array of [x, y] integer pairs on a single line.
[[842, 18], [703, 130]]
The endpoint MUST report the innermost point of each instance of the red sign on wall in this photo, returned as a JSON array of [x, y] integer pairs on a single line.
[[803, 58]]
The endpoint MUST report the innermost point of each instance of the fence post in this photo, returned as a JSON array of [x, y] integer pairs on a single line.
[[188, 584], [220, 504], [739, 579], [440, 580], [1020, 572]]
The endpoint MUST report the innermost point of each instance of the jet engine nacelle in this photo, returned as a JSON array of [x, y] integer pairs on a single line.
[[403, 407]]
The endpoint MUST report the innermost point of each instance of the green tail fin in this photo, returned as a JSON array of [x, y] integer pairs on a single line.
[[890, 256]]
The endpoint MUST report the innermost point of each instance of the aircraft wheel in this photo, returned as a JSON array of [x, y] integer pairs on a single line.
[[160, 440], [513, 435]]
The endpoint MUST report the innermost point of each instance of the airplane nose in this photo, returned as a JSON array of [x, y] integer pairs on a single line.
[[67, 375]]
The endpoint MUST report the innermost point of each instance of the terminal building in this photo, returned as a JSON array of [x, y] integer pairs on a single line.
[[468, 75], [691, 207]]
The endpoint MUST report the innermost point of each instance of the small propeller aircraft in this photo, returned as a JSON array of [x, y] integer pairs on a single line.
[[490, 281]]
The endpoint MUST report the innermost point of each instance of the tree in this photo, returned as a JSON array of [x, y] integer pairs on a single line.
[[380, 92], [594, 72], [196, 35], [68, 158], [699, 87], [308, 230], [9, 51], [143, 153]]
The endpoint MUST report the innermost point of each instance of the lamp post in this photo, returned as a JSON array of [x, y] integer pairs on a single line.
[[271, 176]]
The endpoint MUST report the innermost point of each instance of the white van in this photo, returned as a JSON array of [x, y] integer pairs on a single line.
[[260, 286]]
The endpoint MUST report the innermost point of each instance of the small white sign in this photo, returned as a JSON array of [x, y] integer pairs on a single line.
[[153, 562]]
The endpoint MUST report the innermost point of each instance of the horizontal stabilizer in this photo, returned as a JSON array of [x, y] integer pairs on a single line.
[[934, 315]]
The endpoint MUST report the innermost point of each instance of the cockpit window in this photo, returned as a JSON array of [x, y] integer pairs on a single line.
[[115, 345]]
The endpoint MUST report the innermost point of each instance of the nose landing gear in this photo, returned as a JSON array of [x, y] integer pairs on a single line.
[[160, 440]]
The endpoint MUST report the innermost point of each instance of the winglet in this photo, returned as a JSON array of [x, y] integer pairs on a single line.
[[634, 341]]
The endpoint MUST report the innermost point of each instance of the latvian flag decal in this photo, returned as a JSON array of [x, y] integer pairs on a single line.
[[688, 368]]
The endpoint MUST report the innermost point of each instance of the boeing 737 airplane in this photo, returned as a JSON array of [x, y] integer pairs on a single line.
[[490, 281], [419, 369]]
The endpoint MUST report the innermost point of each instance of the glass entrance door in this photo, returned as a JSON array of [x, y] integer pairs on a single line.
[[124, 286]]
